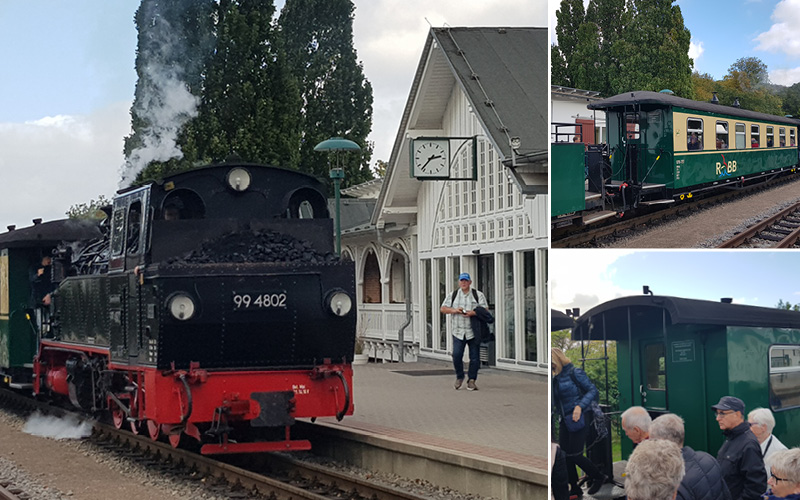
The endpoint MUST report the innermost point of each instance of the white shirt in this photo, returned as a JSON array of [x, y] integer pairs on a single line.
[[460, 325], [774, 447]]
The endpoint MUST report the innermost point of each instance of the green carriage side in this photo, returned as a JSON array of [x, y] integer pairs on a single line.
[[682, 355], [675, 147], [21, 252], [567, 194]]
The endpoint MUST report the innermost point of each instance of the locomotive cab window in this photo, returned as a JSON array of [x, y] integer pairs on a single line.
[[755, 136], [782, 136], [722, 135], [118, 231], [694, 134], [770, 137], [740, 136], [784, 376], [632, 126], [134, 228]]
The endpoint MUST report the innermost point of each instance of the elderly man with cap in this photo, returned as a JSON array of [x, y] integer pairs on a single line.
[[740, 454], [461, 304]]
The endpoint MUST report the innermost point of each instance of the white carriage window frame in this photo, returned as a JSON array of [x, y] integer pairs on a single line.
[[770, 137], [782, 137], [723, 139], [741, 136], [755, 133], [694, 126], [784, 373], [792, 141]]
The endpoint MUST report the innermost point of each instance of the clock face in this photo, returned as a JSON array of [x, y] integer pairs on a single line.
[[431, 157]]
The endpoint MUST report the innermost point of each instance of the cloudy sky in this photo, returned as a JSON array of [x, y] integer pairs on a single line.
[[68, 83], [726, 30], [586, 278]]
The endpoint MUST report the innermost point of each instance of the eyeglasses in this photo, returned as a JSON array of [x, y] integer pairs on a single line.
[[721, 414], [776, 478]]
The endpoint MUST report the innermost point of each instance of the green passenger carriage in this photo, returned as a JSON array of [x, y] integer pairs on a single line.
[[681, 355]]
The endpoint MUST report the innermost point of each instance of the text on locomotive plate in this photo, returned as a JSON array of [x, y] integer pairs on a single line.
[[250, 301]]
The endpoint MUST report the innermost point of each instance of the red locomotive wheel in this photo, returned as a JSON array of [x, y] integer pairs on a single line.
[[154, 430], [118, 416]]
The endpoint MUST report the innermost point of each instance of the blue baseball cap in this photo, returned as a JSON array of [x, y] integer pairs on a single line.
[[464, 276], [730, 403]]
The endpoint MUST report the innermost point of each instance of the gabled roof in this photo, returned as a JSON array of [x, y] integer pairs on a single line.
[[48, 234], [502, 71]]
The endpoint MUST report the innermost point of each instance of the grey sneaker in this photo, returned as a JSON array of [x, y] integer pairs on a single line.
[[471, 385], [458, 383]]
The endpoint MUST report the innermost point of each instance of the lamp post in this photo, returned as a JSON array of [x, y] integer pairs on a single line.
[[336, 144]]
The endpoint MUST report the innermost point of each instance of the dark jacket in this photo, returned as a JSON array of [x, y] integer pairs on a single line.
[[480, 324], [791, 496], [741, 463], [703, 479], [566, 394]]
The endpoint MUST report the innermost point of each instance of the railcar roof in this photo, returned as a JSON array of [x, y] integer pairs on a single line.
[[657, 98], [560, 321], [684, 311], [51, 233]]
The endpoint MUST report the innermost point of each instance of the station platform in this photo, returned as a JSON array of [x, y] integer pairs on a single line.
[[501, 427]]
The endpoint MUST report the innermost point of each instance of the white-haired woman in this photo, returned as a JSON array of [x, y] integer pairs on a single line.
[[784, 478], [762, 423]]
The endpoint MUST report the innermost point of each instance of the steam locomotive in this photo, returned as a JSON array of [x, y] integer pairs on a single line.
[[227, 342]]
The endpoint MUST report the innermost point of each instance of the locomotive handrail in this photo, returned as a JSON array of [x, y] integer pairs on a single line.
[[340, 415]]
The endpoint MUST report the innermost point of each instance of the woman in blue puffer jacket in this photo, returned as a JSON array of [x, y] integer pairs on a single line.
[[573, 394]]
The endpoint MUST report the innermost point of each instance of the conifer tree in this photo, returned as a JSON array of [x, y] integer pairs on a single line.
[[336, 97]]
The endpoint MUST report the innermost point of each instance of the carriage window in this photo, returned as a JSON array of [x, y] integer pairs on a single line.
[[784, 376], [722, 135], [694, 134], [791, 137], [118, 228], [782, 135], [770, 134], [740, 137], [655, 373], [755, 136]]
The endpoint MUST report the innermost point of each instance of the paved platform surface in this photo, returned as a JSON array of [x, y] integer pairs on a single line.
[[505, 421]]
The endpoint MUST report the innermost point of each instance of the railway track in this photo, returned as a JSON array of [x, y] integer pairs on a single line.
[[781, 230], [262, 475], [583, 237]]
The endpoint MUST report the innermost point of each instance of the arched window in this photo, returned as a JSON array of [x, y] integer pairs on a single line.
[[372, 279], [397, 279]]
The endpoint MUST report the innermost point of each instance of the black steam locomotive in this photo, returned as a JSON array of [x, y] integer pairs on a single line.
[[212, 305]]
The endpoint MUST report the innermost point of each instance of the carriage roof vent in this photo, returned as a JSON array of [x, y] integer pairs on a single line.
[[726, 300], [666, 91], [736, 103], [37, 221], [714, 98], [11, 227]]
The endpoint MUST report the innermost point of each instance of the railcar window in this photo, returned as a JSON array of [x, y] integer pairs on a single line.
[[755, 136], [655, 374], [740, 136], [770, 135], [722, 135], [791, 137], [782, 136], [632, 125], [118, 228], [694, 134], [784, 376]]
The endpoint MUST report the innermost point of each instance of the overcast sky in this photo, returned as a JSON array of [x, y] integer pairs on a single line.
[[587, 278], [68, 82]]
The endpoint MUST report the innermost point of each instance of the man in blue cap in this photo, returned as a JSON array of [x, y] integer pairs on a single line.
[[740, 454], [461, 304]]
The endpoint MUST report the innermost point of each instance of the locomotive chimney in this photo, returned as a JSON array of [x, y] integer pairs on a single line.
[[726, 300], [37, 221], [714, 98]]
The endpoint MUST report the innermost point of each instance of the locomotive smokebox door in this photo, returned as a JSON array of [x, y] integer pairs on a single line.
[[276, 408]]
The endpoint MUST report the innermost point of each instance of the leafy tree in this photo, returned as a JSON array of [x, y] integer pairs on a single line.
[[91, 210], [336, 97], [787, 306], [791, 100], [704, 86]]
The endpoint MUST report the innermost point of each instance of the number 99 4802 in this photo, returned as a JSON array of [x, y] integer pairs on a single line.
[[249, 301]]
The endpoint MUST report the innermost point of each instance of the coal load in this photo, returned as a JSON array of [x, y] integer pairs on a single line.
[[255, 246]]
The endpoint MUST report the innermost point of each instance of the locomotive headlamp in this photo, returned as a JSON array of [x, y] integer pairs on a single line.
[[181, 306], [239, 179], [340, 303]]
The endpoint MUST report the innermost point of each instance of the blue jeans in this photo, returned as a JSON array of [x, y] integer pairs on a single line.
[[474, 357]]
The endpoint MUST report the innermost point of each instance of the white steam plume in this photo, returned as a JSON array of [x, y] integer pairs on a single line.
[[57, 428]]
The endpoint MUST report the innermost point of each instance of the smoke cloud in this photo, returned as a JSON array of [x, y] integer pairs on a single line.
[[57, 428]]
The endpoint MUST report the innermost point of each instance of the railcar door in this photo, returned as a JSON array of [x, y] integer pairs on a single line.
[[653, 377]]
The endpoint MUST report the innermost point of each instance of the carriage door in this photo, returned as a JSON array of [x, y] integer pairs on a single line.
[[653, 381]]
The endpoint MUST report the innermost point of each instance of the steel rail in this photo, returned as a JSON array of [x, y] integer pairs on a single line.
[[754, 230]]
